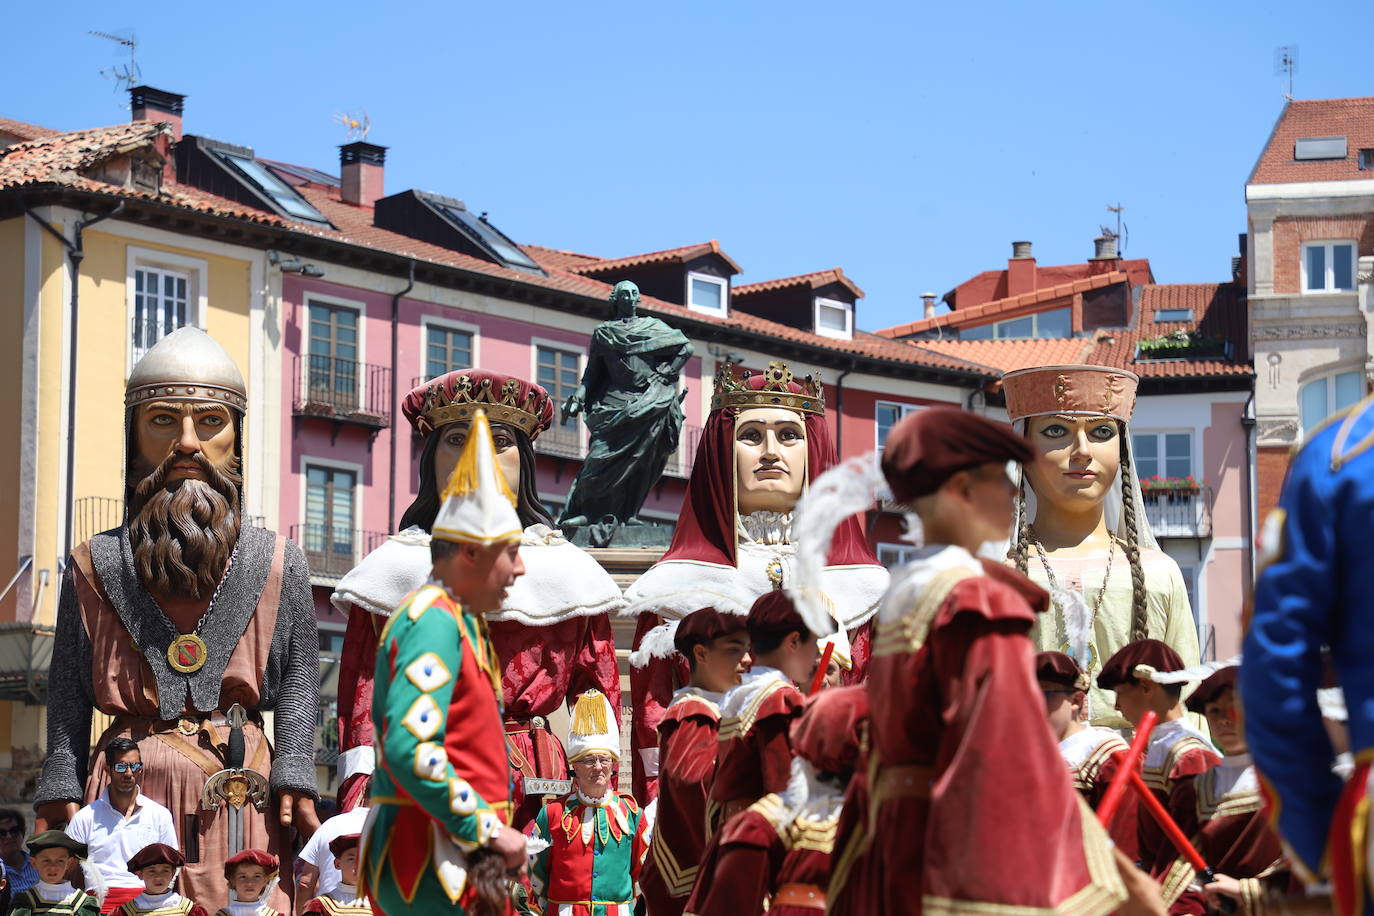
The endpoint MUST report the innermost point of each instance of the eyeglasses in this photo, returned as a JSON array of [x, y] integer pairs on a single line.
[[127, 767], [597, 762]]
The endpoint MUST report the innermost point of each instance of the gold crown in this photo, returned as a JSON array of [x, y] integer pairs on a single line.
[[738, 394], [524, 410]]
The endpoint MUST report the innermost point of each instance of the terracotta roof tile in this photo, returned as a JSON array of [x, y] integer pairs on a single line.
[[24, 131], [678, 255], [564, 260], [813, 280], [1349, 118], [988, 311], [1219, 310], [1006, 355], [992, 284]]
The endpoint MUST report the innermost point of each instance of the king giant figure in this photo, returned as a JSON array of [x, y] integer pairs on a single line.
[[178, 616]]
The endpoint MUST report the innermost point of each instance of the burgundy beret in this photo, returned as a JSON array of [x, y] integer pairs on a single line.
[[266, 860], [774, 613], [342, 844], [1058, 668], [705, 625], [1120, 668], [1212, 687], [829, 730], [155, 854], [928, 447]]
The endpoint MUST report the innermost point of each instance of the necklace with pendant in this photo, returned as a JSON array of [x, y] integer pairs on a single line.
[[1061, 623], [187, 652]]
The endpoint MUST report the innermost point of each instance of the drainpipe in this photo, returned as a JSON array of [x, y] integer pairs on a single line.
[[1247, 421], [839, 412], [395, 393], [76, 254]]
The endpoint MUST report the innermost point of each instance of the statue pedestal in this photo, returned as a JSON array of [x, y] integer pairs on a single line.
[[625, 564], [626, 536]]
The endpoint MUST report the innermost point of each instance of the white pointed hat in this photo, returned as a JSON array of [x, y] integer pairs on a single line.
[[478, 507], [843, 653], [594, 727]]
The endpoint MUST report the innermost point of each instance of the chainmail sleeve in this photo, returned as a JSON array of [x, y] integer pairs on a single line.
[[69, 704], [295, 662]]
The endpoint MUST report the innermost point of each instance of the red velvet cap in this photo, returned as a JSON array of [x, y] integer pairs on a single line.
[[1121, 667], [342, 844], [829, 731], [1058, 668], [1212, 688], [268, 861], [928, 447], [774, 613], [457, 396], [155, 854], [704, 625]]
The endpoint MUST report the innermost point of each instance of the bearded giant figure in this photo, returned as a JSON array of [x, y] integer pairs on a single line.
[[765, 439], [553, 632], [183, 612]]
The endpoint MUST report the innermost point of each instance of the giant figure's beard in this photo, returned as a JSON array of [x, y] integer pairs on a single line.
[[183, 533]]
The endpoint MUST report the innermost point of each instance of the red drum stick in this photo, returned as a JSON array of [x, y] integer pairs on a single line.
[[1174, 832], [1116, 790], [819, 679]]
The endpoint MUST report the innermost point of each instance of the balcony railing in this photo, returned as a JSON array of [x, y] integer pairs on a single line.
[[342, 390], [680, 463], [571, 442], [95, 514], [331, 550], [1179, 513]]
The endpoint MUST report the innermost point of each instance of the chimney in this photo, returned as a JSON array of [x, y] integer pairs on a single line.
[[361, 170], [149, 104], [928, 301], [1105, 248], [1020, 269]]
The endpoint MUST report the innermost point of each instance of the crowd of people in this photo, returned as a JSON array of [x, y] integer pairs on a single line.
[[1016, 720]]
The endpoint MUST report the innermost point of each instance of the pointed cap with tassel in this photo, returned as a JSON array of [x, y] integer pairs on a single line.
[[478, 507], [594, 727]]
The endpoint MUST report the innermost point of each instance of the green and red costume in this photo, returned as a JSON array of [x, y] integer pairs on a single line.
[[595, 854]]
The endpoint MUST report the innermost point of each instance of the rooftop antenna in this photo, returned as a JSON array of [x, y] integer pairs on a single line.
[[1120, 228], [128, 76], [1286, 64], [358, 127]]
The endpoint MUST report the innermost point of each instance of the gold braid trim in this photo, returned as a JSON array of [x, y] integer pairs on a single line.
[[908, 632]]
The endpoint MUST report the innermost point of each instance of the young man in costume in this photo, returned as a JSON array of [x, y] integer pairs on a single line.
[[765, 438], [158, 864], [756, 716], [51, 852], [1220, 811], [1313, 609], [439, 840], [1177, 749], [552, 632], [596, 837], [182, 612], [956, 719], [344, 899], [714, 640], [776, 855]]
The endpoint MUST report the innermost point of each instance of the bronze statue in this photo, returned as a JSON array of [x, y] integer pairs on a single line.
[[633, 408]]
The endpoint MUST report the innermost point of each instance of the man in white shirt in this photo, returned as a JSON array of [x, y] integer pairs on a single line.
[[317, 874], [120, 823]]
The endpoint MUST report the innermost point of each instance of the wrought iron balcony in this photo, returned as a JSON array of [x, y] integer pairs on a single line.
[[331, 550], [1179, 513], [571, 442], [95, 514], [342, 390]]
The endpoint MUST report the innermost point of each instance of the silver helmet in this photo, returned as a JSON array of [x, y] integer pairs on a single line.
[[187, 365]]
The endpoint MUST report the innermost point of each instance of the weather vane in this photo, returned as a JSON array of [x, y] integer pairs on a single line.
[[127, 76], [357, 127]]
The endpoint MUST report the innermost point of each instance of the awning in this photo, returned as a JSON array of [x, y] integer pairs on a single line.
[[25, 655]]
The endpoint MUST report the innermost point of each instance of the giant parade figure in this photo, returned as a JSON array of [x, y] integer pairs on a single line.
[[1081, 528], [765, 438], [552, 633], [187, 625]]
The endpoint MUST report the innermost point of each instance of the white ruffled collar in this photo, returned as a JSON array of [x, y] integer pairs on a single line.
[[753, 680], [345, 893], [809, 798], [54, 893], [147, 901], [771, 528], [1076, 748], [599, 802], [241, 908]]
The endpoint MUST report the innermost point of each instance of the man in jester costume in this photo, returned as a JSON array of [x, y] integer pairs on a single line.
[[597, 837], [438, 838]]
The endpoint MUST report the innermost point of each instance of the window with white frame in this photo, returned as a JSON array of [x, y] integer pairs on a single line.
[[894, 555], [834, 318], [330, 520], [557, 371], [1328, 267], [332, 369], [161, 306], [887, 413], [1162, 454], [1190, 586], [706, 293], [446, 350], [1322, 397]]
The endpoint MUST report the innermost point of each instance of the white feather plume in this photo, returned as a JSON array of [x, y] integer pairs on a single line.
[[1331, 701], [1196, 673], [1078, 624], [914, 532], [95, 881], [849, 487], [658, 642]]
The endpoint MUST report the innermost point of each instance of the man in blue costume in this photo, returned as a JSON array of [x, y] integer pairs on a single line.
[[1313, 607]]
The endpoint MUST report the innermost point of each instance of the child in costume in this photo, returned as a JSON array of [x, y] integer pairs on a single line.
[[157, 865], [252, 876], [51, 853], [343, 900], [597, 837]]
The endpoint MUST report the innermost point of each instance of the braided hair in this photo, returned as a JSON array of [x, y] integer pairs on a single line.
[[1139, 609], [1019, 551]]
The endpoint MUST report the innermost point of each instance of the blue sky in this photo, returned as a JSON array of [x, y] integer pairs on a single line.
[[909, 143]]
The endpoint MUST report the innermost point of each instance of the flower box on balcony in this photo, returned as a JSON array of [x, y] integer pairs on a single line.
[[1170, 486], [1183, 344]]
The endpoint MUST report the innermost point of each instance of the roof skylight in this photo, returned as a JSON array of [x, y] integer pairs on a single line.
[[280, 195]]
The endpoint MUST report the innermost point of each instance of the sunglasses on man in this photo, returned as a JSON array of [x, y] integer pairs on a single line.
[[122, 767]]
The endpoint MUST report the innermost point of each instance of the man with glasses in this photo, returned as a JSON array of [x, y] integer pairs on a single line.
[[597, 837], [20, 875], [120, 822]]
